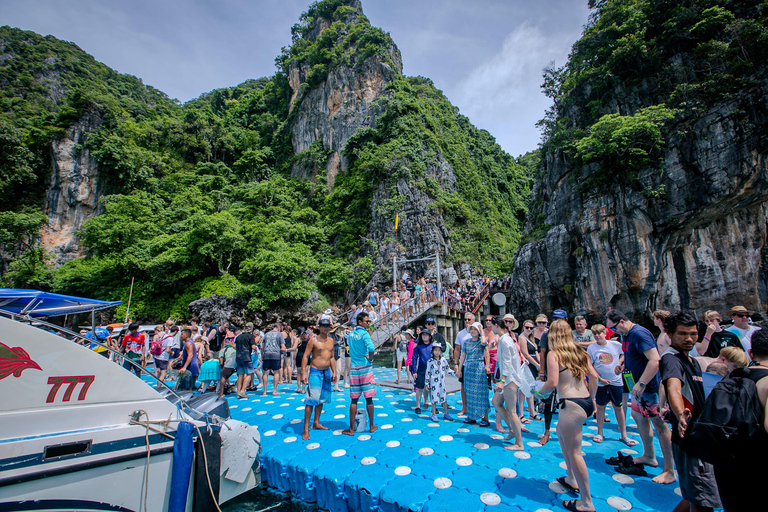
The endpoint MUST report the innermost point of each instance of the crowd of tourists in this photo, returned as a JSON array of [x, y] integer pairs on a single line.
[[574, 371]]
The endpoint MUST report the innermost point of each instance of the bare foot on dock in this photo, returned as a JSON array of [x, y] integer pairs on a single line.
[[515, 448], [348, 432], [666, 477], [305, 436], [651, 462], [317, 426], [544, 440], [374, 428]]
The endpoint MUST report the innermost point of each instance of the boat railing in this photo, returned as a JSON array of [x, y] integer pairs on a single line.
[[180, 401]]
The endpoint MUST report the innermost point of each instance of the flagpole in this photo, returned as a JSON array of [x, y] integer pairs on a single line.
[[128, 309]]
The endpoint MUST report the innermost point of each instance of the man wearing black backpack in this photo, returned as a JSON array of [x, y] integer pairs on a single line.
[[735, 419], [681, 376]]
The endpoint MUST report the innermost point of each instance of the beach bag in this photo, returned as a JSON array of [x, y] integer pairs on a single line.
[[156, 347], [729, 429]]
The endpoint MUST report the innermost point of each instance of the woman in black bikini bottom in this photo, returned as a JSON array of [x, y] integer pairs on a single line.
[[572, 364], [585, 403]]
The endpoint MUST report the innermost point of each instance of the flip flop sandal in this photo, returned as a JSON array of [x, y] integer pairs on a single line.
[[568, 487], [525, 420], [571, 505], [598, 439], [627, 441], [536, 417], [632, 469], [484, 424], [620, 459]]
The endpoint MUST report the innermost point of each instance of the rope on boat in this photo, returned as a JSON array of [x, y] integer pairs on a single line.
[[205, 460]]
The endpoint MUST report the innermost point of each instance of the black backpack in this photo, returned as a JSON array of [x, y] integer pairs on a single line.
[[729, 429]]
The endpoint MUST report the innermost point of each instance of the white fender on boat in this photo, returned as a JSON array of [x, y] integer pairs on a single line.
[[240, 447]]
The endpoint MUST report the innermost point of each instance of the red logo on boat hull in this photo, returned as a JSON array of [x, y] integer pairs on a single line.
[[14, 361]]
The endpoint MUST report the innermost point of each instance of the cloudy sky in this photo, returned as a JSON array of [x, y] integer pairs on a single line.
[[486, 55]]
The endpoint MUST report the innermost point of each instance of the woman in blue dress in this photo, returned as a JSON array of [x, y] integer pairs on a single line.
[[475, 365]]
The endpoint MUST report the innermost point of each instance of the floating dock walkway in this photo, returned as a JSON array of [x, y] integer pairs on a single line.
[[413, 464]]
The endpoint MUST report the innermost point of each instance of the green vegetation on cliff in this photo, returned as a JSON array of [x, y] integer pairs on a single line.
[[199, 199], [640, 65]]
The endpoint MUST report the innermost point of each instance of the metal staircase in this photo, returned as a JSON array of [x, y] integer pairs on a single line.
[[381, 334]]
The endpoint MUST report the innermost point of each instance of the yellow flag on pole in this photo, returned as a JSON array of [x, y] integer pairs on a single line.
[[397, 218]]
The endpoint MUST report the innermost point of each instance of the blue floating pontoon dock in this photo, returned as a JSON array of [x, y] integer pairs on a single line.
[[411, 463]]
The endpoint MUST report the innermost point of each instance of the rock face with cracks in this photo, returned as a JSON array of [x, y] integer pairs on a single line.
[[700, 245], [331, 112], [73, 191]]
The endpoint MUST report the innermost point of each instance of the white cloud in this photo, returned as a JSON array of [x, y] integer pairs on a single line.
[[502, 93]]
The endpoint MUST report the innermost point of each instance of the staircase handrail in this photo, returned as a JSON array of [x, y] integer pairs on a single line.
[[429, 302], [484, 291]]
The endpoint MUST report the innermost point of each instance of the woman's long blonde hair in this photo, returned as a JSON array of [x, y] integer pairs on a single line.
[[567, 352]]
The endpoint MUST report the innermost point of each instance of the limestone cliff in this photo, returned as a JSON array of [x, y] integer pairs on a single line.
[[397, 147], [73, 192], [701, 245], [337, 108], [342, 102]]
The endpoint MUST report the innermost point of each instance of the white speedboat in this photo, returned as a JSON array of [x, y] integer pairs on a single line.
[[78, 432]]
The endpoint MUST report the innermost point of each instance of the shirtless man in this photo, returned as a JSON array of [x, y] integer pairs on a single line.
[[321, 375]]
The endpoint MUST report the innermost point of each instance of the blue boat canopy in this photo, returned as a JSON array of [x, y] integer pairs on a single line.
[[39, 304]]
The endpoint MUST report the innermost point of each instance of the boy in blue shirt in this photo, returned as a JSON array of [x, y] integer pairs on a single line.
[[361, 373]]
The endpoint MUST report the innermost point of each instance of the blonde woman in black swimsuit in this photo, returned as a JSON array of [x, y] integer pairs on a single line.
[[567, 365]]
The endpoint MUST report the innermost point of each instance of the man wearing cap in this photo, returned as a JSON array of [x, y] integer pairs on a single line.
[[741, 327], [437, 338], [361, 373], [321, 375]]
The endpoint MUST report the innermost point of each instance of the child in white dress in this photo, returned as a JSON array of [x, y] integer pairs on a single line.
[[435, 379]]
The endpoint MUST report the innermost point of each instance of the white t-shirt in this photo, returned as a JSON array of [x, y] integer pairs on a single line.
[[745, 335], [461, 338], [166, 341], [605, 358]]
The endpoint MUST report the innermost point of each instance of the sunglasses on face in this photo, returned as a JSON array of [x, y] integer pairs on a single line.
[[527, 327], [489, 320], [467, 319], [542, 323], [742, 316]]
